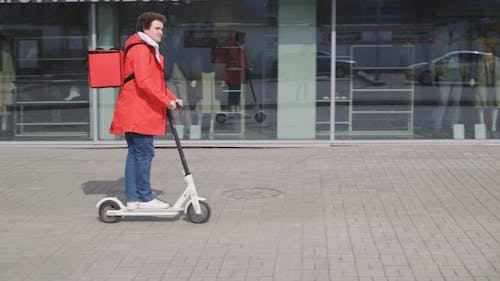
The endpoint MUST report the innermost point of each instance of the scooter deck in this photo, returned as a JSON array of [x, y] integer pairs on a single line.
[[145, 212]]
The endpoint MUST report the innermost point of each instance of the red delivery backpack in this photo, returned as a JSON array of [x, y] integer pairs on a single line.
[[106, 66]]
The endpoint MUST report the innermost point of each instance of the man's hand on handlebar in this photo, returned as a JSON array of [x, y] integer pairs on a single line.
[[177, 104]]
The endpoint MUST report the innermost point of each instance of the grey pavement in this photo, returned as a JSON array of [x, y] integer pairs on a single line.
[[343, 213]]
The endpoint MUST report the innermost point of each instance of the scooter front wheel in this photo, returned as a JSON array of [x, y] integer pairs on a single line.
[[199, 218], [103, 209], [260, 117]]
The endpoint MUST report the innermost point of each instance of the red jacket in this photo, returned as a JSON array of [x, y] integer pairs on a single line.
[[142, 102], [235, 58]]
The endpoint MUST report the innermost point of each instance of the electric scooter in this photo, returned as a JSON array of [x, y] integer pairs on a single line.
[[259, 115], [197, 210]]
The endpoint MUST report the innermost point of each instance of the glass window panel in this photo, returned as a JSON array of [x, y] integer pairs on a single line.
[[423, 69], [220, 58], [206, 44], [43, 77]]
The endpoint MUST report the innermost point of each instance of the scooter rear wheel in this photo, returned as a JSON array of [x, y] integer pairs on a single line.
[[199, 218], [220, 118], [260, 117], [103, 209]]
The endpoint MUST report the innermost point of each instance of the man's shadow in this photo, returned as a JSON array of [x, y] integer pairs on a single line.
[[109, 188], [117, 189]]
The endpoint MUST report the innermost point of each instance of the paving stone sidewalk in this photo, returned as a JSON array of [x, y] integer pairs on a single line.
[[343, 213]]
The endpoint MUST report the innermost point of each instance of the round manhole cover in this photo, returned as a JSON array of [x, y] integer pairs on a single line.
[[252, 193]]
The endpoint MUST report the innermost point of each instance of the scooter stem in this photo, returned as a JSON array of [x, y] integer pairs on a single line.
[[178, 143]]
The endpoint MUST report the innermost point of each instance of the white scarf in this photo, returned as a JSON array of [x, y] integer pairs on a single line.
[[150, 42]]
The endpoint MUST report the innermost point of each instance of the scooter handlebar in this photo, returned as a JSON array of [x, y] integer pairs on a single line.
[[178, 106]]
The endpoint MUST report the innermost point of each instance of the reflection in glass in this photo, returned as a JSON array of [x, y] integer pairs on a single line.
[[450, 68], [213, 50], [43, 77]]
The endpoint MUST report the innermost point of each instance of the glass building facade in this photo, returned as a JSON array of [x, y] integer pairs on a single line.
[[260, 72]]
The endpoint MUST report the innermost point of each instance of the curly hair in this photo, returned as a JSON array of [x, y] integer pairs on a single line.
[[145, 19]]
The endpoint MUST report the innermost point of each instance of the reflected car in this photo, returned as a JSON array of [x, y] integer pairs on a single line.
[[343, 67], [423, 72]]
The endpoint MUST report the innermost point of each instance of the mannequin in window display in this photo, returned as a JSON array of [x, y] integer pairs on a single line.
[[485, 76], [212, 78], [236, 69], [218, 55], [206, 55], [7, 77], [496, 83], [183, 70], [450, 74]]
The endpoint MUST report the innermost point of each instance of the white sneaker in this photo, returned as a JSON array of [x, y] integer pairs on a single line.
[[132, 205], [154, 204]]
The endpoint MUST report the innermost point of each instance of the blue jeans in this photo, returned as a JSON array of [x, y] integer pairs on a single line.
[[233, 97], [138, 167]]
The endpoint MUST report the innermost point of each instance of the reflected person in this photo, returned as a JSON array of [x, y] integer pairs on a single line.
[[7, 77], [485, 77], [450, 74]]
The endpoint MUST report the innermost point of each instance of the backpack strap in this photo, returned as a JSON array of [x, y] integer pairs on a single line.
[[131, 76], [128, 78]]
